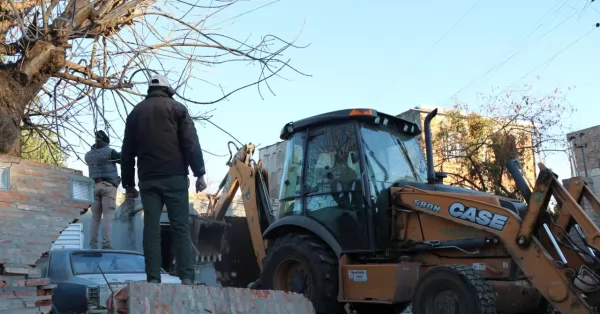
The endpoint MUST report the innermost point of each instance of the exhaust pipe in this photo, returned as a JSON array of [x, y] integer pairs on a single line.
[[431, 178], [514, 167]]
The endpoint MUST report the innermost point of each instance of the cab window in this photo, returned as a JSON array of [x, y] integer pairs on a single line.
[[333, 187]]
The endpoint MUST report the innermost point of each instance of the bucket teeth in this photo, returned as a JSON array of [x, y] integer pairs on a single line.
[[211, 257]]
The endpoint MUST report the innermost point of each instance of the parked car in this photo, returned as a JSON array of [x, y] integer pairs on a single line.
[[82, 277]]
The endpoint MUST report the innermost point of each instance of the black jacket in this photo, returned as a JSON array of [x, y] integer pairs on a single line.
[[161, 134]]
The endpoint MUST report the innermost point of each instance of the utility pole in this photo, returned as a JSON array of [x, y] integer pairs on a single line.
[[581, 145]]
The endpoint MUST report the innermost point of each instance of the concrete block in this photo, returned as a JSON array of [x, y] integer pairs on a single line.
[[141, 297], [38, 310]]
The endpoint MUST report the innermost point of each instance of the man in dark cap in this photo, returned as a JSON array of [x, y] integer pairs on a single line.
[[161, 134], [101, 161]]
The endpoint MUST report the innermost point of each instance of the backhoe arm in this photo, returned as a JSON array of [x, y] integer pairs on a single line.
[[242, 175]]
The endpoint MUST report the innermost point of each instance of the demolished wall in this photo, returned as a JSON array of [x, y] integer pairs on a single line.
[[142, 297], [37, 202]]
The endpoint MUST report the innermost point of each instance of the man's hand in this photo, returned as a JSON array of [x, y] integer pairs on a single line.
[[131, 192], [200, 184]]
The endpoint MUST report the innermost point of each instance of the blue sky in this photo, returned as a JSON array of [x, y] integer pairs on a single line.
[[393, 55]]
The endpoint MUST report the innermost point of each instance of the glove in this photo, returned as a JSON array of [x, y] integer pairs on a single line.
[[131, 192], [200, 184]]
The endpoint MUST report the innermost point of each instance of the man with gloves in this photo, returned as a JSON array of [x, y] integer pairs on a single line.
[[161, 134]]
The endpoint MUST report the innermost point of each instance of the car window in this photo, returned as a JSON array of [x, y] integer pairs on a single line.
[[108, 262]]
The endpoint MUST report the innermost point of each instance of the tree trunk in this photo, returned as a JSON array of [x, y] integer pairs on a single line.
[[19, 84]]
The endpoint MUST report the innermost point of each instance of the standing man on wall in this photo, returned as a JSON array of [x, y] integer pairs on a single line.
[[161, 134], [101, 161]]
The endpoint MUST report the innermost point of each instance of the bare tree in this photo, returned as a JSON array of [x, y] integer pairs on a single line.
[[75, 55], [474, 146]]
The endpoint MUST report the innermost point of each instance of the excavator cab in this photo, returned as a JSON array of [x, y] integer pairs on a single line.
[[338, 171]]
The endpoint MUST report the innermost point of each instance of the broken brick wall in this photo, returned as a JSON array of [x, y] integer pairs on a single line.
[[37, 202]]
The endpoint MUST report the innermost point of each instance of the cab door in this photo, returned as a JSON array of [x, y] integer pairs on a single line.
[[332, 187]]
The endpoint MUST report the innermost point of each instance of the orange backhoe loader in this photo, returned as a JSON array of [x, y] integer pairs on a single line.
[[365, 222]]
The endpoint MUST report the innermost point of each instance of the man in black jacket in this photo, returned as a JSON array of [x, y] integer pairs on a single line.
[[161, 134]]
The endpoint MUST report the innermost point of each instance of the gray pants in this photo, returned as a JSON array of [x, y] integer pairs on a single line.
[[104, 206]]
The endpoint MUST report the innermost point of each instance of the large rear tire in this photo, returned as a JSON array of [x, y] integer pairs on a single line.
[[303, 263], [453, 289]]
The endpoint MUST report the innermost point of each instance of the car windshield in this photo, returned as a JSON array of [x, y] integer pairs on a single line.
[[392, 156], [109, 262]]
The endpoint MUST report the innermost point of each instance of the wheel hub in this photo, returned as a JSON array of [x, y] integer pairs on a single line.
[[297, 279], [292, 276], [446, 302]]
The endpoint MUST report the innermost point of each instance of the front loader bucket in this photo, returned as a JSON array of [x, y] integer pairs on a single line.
[[227, 245]]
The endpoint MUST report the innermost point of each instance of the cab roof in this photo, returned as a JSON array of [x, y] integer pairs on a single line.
[[357, 114]]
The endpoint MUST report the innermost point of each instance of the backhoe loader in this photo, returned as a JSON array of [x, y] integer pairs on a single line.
[[363, 221]]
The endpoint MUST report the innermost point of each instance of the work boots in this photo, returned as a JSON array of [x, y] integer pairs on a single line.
[[187, 281]]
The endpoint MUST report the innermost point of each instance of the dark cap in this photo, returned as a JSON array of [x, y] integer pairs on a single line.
[[101, 137]]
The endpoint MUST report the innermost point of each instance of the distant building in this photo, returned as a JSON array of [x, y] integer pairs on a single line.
[[452, 147], [589, 140], [200, 203]]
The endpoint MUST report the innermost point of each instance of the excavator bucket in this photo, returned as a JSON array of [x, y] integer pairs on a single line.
[[226, 246], [208, 234], [233, 244], [209, 238]]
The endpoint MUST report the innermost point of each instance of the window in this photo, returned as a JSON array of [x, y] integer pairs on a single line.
[[110, 263], [292, 169], [333, 186], [291, 180], [4, 178], [451, 147], [391, 157], [332, 160]]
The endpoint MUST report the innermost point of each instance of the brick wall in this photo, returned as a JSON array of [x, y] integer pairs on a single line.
[[36, 204]]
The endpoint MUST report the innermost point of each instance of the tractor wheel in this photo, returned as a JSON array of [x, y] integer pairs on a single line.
[[453, 289], [302, 263]]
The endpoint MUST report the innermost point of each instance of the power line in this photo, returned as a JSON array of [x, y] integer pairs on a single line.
[[539, 23], [213, 154], [549, 60], [422, 56]]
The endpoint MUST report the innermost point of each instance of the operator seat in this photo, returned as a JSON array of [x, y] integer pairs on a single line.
[[346, 190]]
